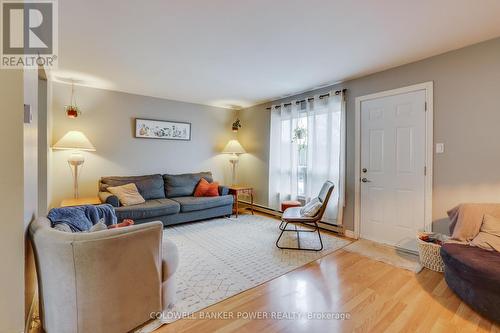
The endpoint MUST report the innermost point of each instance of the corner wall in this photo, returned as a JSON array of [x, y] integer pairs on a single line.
[[11, 202], [108, 121], [466, 118]]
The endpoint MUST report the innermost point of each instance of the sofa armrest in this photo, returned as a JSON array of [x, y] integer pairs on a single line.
[[223, 190], [109, 198]]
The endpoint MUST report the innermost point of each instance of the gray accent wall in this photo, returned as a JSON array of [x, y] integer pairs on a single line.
[[107, 119], [466, 120]]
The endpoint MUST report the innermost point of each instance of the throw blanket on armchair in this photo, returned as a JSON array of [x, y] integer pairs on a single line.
[[466, 219], [82, 218]]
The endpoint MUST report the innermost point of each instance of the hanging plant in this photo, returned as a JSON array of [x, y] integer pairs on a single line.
[[299, 137], [72, 110], [236, 125]]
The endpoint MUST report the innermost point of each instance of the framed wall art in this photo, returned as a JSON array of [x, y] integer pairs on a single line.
[[162, 129]]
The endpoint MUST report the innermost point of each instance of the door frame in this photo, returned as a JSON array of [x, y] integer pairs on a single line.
[[429, 149]]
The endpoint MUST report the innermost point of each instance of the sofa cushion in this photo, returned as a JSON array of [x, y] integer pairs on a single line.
[[189, 204], [478, 266], [488, 237], [128, 194], [184, 184], [150, 186], [151, 208]]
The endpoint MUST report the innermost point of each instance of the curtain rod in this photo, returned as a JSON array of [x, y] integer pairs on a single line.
[[310, 98]]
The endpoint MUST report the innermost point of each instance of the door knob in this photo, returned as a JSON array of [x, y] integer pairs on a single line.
[[364, 180], [364, 170]]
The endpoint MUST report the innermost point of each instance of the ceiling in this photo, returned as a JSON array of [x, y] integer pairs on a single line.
[[236, 53]]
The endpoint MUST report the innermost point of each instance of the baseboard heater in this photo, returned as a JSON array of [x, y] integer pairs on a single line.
[[337, 228], [260, 208]]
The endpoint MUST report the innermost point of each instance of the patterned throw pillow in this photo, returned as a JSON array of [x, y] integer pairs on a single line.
[[311, 208], [128, 194]]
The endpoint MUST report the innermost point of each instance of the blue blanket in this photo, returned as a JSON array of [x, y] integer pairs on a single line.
[[82, 218]]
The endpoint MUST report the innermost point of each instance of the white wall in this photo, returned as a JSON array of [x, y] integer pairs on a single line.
[[108, 121], [30, 149], [18, 195], [11, 202]]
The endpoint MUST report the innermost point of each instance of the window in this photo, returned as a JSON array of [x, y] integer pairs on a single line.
[[307, 149]]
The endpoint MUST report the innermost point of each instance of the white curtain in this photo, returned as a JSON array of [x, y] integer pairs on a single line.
[[307, 148]]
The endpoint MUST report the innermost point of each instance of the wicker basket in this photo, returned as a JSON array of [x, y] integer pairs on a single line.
[[429, 255]]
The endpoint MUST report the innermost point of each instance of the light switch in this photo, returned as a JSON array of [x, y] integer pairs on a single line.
[[439, 148], [28, 116]]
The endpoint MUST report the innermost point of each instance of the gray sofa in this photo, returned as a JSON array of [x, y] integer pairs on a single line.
[[169, 198]]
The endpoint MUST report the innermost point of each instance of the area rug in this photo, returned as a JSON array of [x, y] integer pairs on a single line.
[[384, 253], [222, 257]]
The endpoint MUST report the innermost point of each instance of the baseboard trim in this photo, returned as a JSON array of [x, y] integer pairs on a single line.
[[350, 234], [337, 228]]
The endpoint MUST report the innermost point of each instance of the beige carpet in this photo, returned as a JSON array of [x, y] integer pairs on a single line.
[[384, 253], [222, 257]]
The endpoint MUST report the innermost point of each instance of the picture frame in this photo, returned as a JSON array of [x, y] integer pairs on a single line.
[[162, 129]]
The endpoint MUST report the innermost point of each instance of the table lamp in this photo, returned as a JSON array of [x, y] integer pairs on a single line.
[[74, 140], [234, 148]]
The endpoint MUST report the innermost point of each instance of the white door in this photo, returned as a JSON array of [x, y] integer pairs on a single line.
[[392, 169]]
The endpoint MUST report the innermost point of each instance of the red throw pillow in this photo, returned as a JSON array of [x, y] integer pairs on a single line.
[[201, 188], [213, 190]]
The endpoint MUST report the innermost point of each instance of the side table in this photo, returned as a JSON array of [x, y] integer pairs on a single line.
[[80, 201], [236, 191]]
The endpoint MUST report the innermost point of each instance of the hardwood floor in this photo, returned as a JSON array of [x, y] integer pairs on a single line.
[[377, 297]]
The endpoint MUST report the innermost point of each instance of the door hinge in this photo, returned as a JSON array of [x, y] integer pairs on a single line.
[[425, 171], [425, 106]]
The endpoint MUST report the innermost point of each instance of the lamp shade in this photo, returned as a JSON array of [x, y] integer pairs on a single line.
[[233, 147], [74, 140]]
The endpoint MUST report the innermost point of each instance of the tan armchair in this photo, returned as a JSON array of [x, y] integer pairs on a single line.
[[104, 281]]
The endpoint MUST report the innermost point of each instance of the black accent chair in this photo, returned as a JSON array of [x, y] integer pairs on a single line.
[[292, 215]]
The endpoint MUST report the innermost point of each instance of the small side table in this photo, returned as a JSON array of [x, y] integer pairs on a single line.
[[237, 190], [80, 201]]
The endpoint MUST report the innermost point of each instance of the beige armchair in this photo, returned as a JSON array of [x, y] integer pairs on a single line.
[[104, 281]]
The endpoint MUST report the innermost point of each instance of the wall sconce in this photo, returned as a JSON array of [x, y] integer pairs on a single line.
[[72, 110], [236, 125]]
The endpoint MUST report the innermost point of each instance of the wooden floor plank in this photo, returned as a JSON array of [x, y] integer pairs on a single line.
[[378, 297]]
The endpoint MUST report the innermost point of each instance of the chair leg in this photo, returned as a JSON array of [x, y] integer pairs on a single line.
[[281, 234], [303, 230], [299, 247], [319, 236]]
